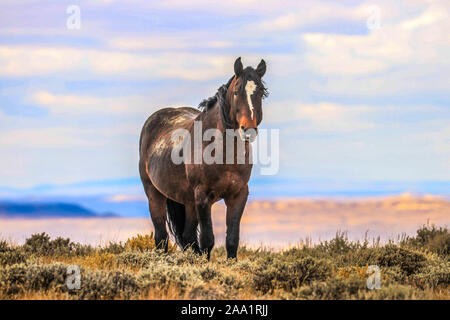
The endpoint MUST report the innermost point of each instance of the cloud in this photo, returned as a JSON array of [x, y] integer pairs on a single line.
[[303, 15], [169, 42], [406, 55], [68, 153], [320, 117], [230, 7], [86, 105], [436, 140], [432, 15], [388, 47], [29, 61], [55, 137], [71, 134], [357, 55], [334, 117]]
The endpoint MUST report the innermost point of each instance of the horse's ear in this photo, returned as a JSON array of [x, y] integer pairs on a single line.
[[238, 67], [261, 69]]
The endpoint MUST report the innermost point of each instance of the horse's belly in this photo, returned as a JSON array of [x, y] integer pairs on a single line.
[[219, 181]]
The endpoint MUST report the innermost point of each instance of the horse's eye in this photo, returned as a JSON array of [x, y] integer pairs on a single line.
[[236, 93]]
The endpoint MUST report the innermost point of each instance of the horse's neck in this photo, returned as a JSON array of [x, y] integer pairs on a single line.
[[211, 119]]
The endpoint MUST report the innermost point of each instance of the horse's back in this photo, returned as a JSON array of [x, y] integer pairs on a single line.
[[164, 120]]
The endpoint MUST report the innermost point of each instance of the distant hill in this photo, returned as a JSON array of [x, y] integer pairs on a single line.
[[16, 209]]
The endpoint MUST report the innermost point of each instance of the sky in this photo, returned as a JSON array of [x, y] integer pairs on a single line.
[[360, 90]]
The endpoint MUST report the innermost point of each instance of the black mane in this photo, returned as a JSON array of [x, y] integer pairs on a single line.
[[248, 74], [208, 103]]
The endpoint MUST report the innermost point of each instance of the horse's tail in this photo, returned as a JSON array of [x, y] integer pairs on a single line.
[[176, 216]]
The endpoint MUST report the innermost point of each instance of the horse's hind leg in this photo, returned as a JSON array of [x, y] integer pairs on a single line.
[[157, 206]]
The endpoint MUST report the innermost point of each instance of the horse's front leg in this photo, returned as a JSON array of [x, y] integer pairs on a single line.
[[203, 206], [235, 208], [190, 228]]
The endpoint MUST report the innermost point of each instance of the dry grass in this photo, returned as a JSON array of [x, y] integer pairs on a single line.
[[414, 268]]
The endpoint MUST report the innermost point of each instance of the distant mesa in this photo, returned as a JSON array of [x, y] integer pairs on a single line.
[[37, 210]]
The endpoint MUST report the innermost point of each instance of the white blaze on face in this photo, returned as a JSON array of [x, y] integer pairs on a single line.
[[250, 88]]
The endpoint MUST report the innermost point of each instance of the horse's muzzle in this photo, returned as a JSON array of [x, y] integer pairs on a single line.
[[248, 134]]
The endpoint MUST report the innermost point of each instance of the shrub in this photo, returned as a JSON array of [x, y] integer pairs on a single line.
[[146, 242], [432, 238], [281, 272], [187, 257], [231, 281], [340, 250], [394, 275], [100, 260], [339, 245], [11, 257], [41, 244], [107, 285], [20, 277], [38, 243], [61, 246], [3, 246], [330, 270], [433, 275], [208, 293], [334, 288], [346, 272], [161, 276], [408, 261], [141, 243], [94, 284], [392, 292], [136, 260], [113, 248], [355, 288], [81, 250], [208, 273], [142, 260]]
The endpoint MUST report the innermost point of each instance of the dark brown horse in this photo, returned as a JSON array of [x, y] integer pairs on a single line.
[[182, 193]]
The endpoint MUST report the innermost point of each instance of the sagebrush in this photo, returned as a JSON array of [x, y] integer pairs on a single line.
[[415, 268]]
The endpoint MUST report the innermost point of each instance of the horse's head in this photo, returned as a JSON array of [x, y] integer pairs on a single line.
[[245, 95]]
